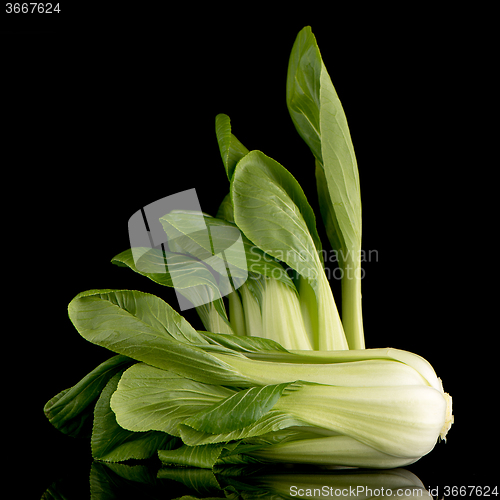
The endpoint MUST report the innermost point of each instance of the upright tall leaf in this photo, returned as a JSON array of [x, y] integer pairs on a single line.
[[318, 116]]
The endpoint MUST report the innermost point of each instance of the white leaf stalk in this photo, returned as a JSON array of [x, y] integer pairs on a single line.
[[294, 319], [381, 412], [380, 427], [282, 317], [275, 314]]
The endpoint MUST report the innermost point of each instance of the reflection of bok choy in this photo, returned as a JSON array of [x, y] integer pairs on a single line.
[[251, 482], [281, 378]]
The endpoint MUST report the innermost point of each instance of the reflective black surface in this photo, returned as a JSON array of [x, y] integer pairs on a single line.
[[147, 480], [67, 471], [110, 121]]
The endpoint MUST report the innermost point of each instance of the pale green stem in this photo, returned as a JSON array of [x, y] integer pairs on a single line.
[[352, 317], [309, 311], [253, 315], [282, 319], [330, 331], [332, 450], [212, 320], [236, 314]]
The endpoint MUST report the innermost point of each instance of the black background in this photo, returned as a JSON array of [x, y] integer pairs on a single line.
[[109, 111]]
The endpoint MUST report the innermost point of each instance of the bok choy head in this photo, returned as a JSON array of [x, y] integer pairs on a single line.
[[281, 377]]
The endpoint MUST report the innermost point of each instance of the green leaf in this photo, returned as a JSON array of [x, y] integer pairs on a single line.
[[271, 209], [238, 456], [151, 399], [112, 443], [320, 120], [146, 328], [148, 399], [206, 240], [303, 90], [204, 456], [230, 148], [238, 410], [271, 421], [328, 213], [225, 210], [243, 344], [214, 249], [215, 242], [192, 278], [142, 313], [69, 411], [183, 269]]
